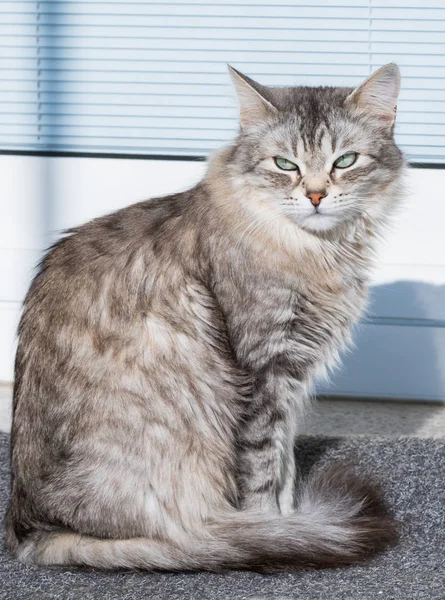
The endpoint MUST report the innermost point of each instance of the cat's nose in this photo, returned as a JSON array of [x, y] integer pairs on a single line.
[[316, 197]]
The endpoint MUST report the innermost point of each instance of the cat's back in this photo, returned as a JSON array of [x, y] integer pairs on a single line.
[[110, 255], [115, 237], [103, 310], [95, 286]]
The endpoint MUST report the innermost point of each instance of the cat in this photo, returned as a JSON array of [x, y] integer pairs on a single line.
[[167, 352]]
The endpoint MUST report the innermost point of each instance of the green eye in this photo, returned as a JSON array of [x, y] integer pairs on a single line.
[[345, 160], [284, 164]]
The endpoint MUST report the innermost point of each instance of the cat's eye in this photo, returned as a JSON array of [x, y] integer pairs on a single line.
[[284, 164], [346, 160]]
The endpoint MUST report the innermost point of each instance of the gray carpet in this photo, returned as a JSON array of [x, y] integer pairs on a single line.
[[413, 475]]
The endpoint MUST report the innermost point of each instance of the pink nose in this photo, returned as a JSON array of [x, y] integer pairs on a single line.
[[316, 197]]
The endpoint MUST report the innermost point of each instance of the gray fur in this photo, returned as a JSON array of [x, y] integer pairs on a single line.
[[166, 353]]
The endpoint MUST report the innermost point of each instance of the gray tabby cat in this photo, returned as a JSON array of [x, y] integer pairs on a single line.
[[166, 352]]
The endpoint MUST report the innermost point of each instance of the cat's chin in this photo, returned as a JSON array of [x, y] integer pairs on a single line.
[[319, 222]]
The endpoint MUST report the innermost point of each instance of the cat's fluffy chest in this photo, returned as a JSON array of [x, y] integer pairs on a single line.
[[298, 312]]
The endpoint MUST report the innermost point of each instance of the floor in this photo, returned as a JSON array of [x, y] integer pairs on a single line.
[[341, 417], [411, 472]]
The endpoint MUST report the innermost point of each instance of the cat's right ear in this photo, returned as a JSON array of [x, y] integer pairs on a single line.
[[377, 96], [254, 107]]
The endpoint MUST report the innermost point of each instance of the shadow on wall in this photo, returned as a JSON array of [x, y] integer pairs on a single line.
[[399, 354], [399, 349]]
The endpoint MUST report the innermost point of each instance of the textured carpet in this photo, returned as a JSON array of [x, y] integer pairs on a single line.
[[412, 472]]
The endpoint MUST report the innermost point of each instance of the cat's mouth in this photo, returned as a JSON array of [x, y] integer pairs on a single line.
[[319, 221], [319, 213]]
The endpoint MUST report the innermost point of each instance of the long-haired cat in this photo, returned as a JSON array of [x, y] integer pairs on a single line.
[[166, 352]]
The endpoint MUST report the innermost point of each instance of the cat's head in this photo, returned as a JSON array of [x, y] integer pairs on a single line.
[[322, 156]]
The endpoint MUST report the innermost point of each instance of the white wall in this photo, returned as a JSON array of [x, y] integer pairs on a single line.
[[400, 355]]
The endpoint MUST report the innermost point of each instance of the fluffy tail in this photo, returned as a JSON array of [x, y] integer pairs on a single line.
[[340, 520]]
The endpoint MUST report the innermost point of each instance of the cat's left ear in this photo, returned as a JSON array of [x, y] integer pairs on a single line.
[[254, 107], [377, 96]]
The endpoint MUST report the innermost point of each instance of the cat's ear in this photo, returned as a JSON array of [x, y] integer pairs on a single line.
[[254, 107], [378, 95]]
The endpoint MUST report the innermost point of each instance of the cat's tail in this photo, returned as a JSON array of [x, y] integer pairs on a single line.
[[339, 520]]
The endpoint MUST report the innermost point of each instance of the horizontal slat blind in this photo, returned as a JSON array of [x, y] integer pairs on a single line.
[[150, 77], [18, 86]]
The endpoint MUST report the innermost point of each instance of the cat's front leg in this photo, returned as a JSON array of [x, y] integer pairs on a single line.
[[286, 497], [267, 462]]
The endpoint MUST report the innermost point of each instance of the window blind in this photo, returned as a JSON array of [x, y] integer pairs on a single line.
[[150, 77]]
